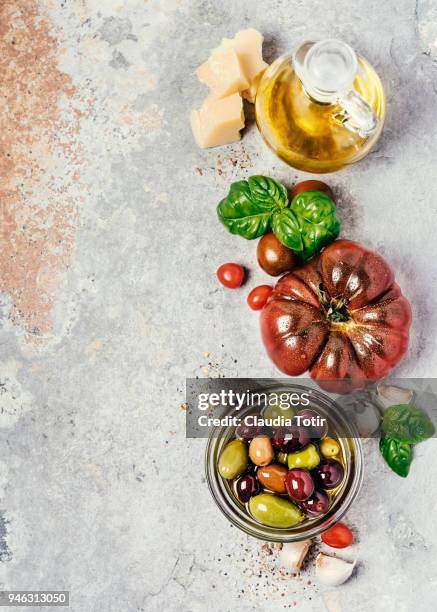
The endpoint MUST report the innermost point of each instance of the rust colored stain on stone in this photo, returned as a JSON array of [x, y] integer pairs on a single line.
[[39, 163]]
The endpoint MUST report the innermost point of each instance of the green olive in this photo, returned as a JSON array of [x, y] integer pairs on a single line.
[[274, 511], [275, 410], [307, 458], [233, 460], [329, 447]]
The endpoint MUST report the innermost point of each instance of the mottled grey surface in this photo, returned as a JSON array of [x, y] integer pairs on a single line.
[[102, 493]]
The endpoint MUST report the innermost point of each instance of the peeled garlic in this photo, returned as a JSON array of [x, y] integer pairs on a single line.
[[389, 395], [333, 571], [293, 554]]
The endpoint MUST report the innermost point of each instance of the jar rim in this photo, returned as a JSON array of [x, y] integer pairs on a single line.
[[238, 515]]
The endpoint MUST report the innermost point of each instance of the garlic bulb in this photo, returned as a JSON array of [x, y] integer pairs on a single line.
[[333, 571], [293, 554], [389, 395]]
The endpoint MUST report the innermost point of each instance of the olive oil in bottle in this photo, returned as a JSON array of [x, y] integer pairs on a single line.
[[322, 108]]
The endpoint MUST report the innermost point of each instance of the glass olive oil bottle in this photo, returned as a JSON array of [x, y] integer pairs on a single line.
[[321, 108]]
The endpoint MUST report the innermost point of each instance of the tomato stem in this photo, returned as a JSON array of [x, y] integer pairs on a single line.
[[335, 309]]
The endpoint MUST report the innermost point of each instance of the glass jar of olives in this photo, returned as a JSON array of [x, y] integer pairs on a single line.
[[288, 482]]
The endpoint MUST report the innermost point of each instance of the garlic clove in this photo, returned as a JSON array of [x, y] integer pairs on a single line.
[[293, 554], [332, 601], [389, 395], [367, 420], [365, 411], [333, 571]]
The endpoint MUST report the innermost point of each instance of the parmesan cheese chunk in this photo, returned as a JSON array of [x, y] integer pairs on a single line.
[[223, 73], [249, 94], [234, 68], [248, 46], [218, 121]]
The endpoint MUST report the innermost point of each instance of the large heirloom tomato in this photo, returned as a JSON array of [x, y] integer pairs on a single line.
[[341, 316]]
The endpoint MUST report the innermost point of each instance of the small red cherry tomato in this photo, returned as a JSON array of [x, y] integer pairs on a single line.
[[258, 297], [231, 275], [311, 185], [338, 536]]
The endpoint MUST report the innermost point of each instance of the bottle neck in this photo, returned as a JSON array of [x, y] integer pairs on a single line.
[[327, 69]]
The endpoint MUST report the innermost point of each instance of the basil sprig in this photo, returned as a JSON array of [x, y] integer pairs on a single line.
[[250, 205], [398, 455], [407, 424], [260, 204], [316, 215], [286, 228], [403, 426]]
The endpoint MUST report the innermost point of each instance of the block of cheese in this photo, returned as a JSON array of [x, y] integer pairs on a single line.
[[249, 94], [248, 46], [218, 121], [223, 73], [234, 68]]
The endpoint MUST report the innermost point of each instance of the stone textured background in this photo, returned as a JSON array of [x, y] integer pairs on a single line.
[[108, 300]]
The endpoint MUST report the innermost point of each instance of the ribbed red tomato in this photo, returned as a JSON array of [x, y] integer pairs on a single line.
[[341, 316]]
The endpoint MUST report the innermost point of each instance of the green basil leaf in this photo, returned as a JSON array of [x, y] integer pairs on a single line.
[[317, 218], [397, 454], [267, 190], [247, 209], [287, 230], [407, 424]]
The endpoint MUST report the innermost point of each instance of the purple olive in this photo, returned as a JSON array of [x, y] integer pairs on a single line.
[[246, 486], [290, 439], [299, 484], [315, 432], [328, 474], [317, 504], [251, 469], [247, 432]]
